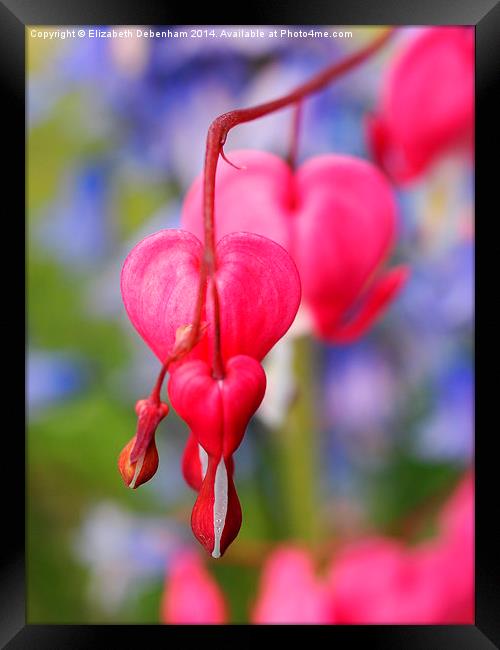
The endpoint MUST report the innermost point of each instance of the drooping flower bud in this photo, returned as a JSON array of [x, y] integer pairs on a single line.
[[138, 472], [216, 517], [149, 416]]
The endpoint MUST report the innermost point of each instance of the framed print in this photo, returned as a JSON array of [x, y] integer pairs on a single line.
[[249, 278]]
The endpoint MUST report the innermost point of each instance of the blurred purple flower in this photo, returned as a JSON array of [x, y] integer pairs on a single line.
[[361, 389]]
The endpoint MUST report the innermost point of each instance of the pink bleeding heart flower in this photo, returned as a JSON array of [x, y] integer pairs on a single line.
[[191, 595], [195, 463], [427, 102], [290, 592], [217, 412], [336, 215], [258, 294], [257, 282]]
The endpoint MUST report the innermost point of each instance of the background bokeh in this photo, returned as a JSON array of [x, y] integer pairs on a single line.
[[116, 136]]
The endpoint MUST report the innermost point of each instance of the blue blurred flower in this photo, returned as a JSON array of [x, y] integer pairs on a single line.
[[77, 229], [439, 296], [52, 377], [447, 432]]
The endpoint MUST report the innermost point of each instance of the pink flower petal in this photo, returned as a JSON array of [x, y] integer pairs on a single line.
[[259, 291], [258, 286], [289, 591], [252, 199], [159, 284], [378, 296], [344, 231], [192, 596]]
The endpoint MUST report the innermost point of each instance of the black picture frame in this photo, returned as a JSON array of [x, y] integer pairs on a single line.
[[14, 16]]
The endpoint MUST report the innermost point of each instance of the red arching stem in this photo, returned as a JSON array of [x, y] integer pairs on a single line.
[[155, 393], [216, 138]]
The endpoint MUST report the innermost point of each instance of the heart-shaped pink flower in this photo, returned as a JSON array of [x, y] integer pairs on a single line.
[[336, 216], [257, 282]]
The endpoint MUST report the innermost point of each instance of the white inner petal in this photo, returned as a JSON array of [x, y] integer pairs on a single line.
[[220, 505], [203, 456]]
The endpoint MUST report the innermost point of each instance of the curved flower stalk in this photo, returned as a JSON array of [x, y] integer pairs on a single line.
[[336, 216], [427, 102]]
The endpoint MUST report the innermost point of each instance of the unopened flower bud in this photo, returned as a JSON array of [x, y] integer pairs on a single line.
[[149, 416], [137, 473]]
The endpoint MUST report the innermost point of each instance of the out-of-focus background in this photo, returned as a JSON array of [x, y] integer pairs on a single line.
[[116, 136]]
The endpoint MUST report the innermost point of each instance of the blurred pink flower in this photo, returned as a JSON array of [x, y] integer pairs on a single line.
[[427, 102], [381, 581], [192, 596], [456, 546], [290, 592], [336, 216]]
